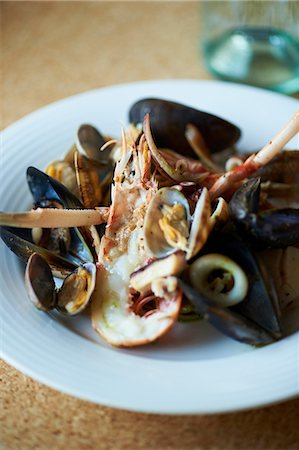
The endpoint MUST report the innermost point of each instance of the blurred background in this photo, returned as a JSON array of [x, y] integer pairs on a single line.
[[55, 49], [51, 50]]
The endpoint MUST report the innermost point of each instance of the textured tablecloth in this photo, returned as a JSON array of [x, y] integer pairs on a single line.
[[51, 50]]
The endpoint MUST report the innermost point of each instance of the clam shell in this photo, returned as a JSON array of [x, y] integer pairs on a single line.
[[76, 290], [154, 236]]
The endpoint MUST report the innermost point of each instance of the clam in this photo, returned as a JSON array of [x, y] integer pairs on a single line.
[[71, 298], [76, 290], [92, 157], [88, 181], [89, 142], [169, 225], [169, 121], [167, 222], [39, 283]]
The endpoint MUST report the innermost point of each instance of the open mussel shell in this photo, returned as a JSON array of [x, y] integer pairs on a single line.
[[225, 320], [169, 120], [75, 292], [63, 171], [19, 241], [40, 283], [56, 240], [154, 235], [45, 190], [261, 303]]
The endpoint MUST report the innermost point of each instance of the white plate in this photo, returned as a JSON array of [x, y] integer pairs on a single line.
[[193, 369]]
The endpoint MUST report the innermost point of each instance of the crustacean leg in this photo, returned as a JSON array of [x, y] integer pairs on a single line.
[[55, 218], [254, 162]]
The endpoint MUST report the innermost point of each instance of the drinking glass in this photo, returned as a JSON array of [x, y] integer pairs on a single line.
[[253, 42]]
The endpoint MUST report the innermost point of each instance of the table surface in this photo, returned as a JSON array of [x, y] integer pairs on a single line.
[[51, 50]]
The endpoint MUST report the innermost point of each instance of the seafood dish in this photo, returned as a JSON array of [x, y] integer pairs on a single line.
[[166, 223]]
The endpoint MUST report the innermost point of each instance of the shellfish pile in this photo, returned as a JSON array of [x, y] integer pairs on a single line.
[[167, 223]]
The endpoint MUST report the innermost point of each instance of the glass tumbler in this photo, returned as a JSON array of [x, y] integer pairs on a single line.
[[253, 42]]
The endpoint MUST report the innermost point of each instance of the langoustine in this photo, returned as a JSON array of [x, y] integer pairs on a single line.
[[116, 311]]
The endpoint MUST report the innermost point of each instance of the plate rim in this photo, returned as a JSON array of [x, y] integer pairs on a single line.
[[166, 81]]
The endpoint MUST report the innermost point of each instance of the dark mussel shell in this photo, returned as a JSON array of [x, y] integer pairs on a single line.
[[19, 241], [261, 304], [45, 189], [280, 179], [168, 125], [273, 228], [284, 168], [225, 320]]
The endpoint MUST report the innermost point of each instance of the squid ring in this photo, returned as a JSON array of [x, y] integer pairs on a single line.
[[219, 278]]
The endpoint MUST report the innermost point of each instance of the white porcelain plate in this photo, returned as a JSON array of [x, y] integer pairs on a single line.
[[192, 369]]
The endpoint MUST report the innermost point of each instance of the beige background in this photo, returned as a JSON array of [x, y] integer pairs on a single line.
[[51, 50]]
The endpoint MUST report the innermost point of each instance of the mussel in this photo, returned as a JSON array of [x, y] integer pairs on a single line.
[[284, 168], [261, 304], [225, 320], [255, 320], [63, 254], [19, 241], [169, 121], [280, 180], [272, 228], [64, 172], [45, 190]]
